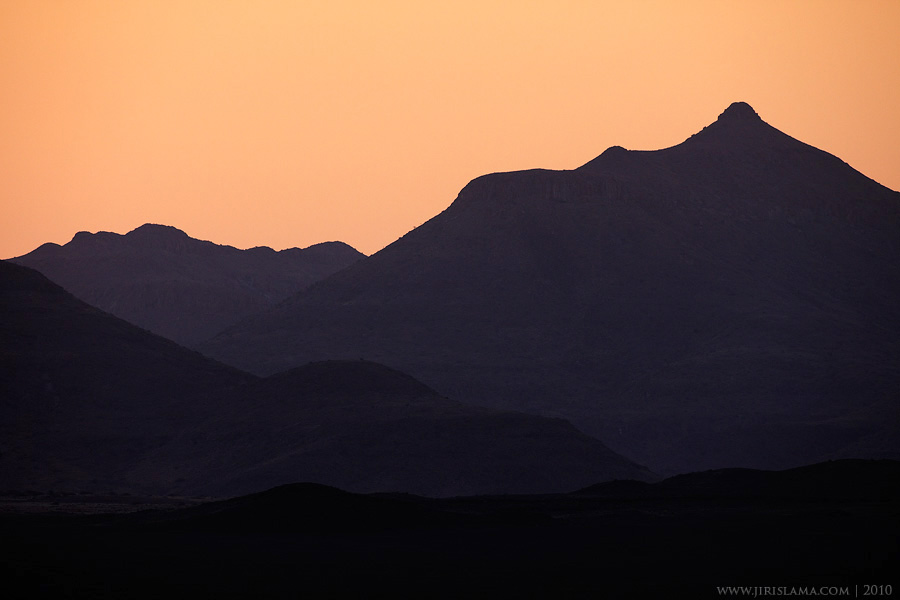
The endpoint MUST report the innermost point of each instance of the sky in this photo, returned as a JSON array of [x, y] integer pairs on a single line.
[[284, 124]]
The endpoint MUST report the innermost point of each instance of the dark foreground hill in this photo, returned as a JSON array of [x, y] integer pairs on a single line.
[[84, 396], [851, 479], [365, 428], [727, 302], [90, 402], [159, 278], [313, 541]]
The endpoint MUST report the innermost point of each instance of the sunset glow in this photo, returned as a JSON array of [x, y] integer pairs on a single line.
[[290, 123]]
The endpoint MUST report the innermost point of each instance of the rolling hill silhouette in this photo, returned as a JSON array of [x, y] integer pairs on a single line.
[[364, 427], [90, 402], [849, 479], [159, 278], [726, 302], [824, 525]]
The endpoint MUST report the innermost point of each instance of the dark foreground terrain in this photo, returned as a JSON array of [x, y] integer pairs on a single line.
[[832, 524]]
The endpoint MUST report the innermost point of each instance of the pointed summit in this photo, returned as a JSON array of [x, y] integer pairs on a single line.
[[656, 298], [738, 127], [738, 112]]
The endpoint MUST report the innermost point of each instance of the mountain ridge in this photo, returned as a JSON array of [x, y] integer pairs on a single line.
[[158, 277], [731, 283]]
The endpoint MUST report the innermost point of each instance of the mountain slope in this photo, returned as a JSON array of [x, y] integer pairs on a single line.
[[84, 395], [90, 402], [173, 285], [366, 428], [729, 301]]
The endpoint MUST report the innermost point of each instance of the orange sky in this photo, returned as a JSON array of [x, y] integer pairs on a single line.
[[289, 123]]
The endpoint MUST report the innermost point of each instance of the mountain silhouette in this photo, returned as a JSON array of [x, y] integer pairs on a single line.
[[364, 427], [808, 530], [91, 402], [850, 479], [304, 507], [85, 395], [726, 302], [159, 278]]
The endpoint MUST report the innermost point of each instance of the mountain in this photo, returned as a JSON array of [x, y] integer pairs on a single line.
[[84, 396], [726, 302], [364, 427], [159, 278], [90, 402]]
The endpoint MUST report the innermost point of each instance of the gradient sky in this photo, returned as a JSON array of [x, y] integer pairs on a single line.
[[290, 123]]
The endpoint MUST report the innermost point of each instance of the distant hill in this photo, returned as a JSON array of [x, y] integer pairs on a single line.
[[89, 402], [312, 507], [727, 302], [851, 479], [364, 427], [159, 278], [814, 531]]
